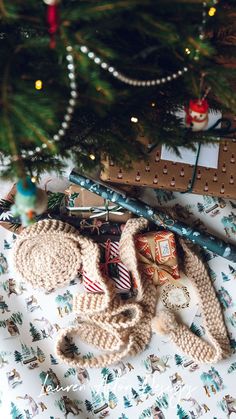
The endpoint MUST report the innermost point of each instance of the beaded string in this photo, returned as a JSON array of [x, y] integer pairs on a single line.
[[69, 110], [127, 80]]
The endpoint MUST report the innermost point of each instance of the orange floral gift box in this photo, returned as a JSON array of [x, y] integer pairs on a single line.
[[156, 253]]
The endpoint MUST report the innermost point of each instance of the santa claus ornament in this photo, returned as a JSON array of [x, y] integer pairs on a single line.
[[197, 114]]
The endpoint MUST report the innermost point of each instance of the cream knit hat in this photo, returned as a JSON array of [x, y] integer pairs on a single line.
[[116, 327]]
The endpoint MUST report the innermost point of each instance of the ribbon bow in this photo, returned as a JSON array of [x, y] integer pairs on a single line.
[[106, 210]]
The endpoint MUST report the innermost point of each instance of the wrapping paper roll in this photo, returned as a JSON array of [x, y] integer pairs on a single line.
[[207, 241]]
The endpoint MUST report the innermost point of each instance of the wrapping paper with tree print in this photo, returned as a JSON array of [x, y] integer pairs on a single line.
[[156, 253], [160, 382]]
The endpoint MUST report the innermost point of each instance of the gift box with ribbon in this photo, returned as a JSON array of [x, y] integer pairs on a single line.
[[86, 204], [156, 253], [112, 267]]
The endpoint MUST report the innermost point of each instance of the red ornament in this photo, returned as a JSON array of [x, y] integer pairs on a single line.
[[52, 20], [197, 114]]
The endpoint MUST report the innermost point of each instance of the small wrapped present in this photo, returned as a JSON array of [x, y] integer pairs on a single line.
[[112, 267], [86, 204], [156, 253]]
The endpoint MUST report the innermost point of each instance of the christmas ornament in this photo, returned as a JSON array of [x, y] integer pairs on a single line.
[[29, 201], [197, 114], [52, 20]]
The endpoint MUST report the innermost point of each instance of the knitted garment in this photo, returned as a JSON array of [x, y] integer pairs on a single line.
[[49, 254], [105, 321]]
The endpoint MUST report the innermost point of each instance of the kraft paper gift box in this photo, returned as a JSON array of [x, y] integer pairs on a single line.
[[164, 174], [85, 204]]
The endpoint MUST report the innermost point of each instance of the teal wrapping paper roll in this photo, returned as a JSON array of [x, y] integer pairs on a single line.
[[205, 240]]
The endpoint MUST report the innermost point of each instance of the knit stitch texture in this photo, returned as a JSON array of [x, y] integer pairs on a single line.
[[50, 253]]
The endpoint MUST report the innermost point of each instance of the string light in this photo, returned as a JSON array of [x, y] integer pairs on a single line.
[[134, 119], [187, 51], [33, 179], [153, 104], [212, 11], [38, 84], [92, 157]]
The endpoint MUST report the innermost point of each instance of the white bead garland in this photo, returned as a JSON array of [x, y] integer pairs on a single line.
[[127, 80], [69, 110]]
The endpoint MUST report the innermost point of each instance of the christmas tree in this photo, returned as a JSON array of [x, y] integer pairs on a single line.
[[135, 394], [127, 402], [200, 207], [70, 372], [225, 277], [25, 350], [108, 375], [196, 330], [181, 413], [163, 401], [212, 274], [232, 368], [36, 335], [124, 79], [112, 400], [89, 405], [17, 317], [178, 359], [70, 347], [53, 360], [18, 356], [40, 355], [15, 413]]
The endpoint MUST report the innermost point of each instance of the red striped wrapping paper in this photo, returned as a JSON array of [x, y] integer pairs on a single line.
[[122, 282]]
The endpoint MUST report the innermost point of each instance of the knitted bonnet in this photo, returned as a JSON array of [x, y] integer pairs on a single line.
[[49, 254]]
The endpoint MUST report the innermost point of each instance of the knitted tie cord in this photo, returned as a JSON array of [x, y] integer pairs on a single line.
[[118, 328]]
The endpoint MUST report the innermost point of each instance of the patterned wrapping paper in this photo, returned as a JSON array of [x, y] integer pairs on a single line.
[[164, 174], [161, 381], [85, 204], [141, 209], [112, 267], [156, 253]]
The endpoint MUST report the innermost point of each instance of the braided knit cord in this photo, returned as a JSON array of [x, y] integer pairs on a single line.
[[191, 344], [49, 254]]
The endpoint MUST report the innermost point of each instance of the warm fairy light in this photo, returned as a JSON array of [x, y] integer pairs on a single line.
[[212, 11], [187, 51], [38, 84], [92, 157], [33, 179], [134, 119], [153, 104]]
